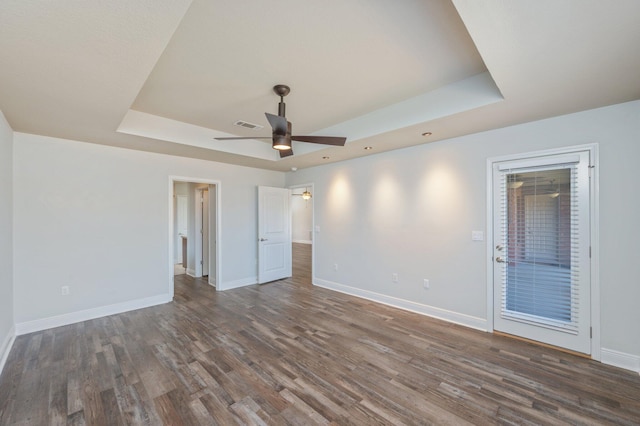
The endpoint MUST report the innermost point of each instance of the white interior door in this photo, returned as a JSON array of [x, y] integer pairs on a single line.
[[201, 241], [541, 222], [274, 234], [181, 217]]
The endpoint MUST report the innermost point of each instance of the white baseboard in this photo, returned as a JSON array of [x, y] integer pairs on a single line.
[[407, 305], [620, 359], [237, 283], [88, 314], [303, 241], [6, 346], [190, 272]]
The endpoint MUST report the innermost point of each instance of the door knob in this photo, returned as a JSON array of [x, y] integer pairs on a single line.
[[264, 239], [500, 260]]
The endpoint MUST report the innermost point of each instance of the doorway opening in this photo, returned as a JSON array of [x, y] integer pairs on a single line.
[[194, 225], [302, 225]]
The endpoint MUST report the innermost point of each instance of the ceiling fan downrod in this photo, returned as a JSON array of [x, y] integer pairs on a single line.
[[281, 90]]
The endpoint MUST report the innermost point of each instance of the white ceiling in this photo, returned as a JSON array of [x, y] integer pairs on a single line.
[[168, 76]]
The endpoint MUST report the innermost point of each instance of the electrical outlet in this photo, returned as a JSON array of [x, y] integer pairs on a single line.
[[425, 284], [394, 277], [64, 290]]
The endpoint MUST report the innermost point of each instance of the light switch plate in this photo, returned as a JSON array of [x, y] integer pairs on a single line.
[[477, 235]]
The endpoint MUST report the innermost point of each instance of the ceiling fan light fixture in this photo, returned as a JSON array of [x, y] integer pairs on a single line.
[[554, 193], [281, 147], [306, 195], [281, 143]]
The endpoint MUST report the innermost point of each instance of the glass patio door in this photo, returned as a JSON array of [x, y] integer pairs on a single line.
[[541, 249]]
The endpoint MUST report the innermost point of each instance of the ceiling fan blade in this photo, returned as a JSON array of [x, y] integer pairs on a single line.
[[279, 124], [325, 140], [242, 137], [286, 153]]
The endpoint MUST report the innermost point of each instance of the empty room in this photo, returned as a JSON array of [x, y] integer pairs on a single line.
[[339, 212]]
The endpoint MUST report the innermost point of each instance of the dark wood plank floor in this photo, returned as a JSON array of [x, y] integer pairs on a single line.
[[301, 256], [290, 353]]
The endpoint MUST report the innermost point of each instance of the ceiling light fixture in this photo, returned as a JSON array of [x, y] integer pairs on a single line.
[[427, 134], [325, 158], [555, 193], [368, 148], [306, 195], [281, 142]]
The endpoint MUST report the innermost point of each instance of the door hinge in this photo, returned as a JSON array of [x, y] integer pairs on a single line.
[[591, 332], [589, 252]]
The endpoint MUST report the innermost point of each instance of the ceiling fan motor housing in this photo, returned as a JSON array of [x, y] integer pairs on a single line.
[[280, 141]]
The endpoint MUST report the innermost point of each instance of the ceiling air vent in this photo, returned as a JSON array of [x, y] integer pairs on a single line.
[[247, 125]]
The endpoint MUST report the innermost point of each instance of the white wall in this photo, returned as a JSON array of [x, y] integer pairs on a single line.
[[301, 218], [96, 218], [6, 238], [412, 211]]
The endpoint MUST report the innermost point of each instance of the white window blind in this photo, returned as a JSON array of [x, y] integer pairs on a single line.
[[539, 220]]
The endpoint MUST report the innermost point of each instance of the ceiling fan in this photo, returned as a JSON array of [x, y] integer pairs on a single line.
[[281, 136]]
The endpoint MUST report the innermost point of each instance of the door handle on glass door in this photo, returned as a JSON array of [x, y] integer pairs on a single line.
[[264, 239], [500, 260]]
